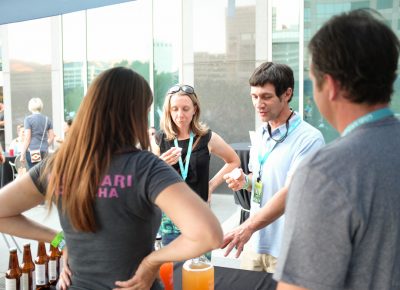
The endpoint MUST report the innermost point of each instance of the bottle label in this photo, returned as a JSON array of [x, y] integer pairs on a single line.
[[33, 280], [11, 284], [28, 281], [40, 274], [52, 270], [61, 264], [25, 281]]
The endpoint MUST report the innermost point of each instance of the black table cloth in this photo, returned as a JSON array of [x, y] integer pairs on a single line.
[[232, 279], [6, 173], [242, 197]]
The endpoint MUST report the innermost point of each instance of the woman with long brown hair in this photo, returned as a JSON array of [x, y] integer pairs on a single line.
[[109, 193]]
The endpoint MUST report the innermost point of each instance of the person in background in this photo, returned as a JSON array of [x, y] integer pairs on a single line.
[[181, 127], [38, 132], [152, 136], [17, 144], [2, 135], [104, 187], [152, 131], [282, 143], [59, 140], [342, 226]]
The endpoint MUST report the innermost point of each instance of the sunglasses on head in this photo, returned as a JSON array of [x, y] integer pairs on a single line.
[[185, 88]]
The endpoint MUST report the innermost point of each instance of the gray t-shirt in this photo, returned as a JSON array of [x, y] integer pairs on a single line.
[[342, 227], [37, 124], [127, 220]]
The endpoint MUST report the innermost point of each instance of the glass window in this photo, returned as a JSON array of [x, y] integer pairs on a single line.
[[165, 48], [360, 4], [384, 4], [223, 63], [74, 59], [30, 53], [119, 35], [285, 40]]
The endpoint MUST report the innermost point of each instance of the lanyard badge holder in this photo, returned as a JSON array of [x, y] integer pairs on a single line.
[[185, 170], [258, 186]]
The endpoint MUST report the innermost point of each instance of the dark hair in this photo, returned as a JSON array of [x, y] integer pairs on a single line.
[[360, 52], [279, 75], [68, 121]]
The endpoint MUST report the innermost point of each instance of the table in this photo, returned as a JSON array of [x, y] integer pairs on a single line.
[[232, 279], [243, 197], [6, 174]]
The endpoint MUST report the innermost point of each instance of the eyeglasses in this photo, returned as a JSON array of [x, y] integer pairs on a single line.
[[185, 88]]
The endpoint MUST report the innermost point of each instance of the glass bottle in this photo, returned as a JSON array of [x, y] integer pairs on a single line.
[[60, 261], [54, 265], [28, 278], [13, 273], [41, 268], [166, 269], [198, 274]]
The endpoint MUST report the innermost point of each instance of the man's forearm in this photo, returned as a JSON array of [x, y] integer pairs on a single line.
[[270, 212]]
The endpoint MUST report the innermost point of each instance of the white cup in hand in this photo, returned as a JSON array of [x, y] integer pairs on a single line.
[[235, 174]]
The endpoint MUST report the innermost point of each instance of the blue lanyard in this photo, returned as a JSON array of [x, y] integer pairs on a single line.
[[185, 170], [368, 118], [263, 158]]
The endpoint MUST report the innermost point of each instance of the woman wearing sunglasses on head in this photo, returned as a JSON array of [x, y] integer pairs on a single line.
[[109, 192], [186, 144]]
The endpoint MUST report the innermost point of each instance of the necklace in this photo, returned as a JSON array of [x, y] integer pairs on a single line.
[[280, 140]]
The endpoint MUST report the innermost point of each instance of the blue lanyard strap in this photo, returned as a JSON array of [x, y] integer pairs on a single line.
[[263, 158], [185, 170], [368, 118]]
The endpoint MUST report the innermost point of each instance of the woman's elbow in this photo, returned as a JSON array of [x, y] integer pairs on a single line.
[[215, 237]]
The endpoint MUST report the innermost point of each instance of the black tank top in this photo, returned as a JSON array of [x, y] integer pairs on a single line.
[[199, 165]]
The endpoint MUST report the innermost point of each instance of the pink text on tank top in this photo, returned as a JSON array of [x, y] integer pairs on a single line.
[[110, 183]]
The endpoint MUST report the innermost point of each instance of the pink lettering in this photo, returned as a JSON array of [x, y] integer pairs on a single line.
[[119, 180], [106, 181], [102, 192], [113, 193]]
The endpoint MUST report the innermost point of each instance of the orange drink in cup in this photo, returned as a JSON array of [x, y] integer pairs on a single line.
[[198, 274]]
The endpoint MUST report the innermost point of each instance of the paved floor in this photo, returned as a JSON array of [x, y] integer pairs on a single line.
[[222, 205]]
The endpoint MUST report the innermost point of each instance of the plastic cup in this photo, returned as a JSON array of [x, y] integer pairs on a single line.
[[198, 276], [167, 275]]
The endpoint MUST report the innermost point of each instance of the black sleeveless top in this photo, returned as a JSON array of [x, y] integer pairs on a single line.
[[199, 165]]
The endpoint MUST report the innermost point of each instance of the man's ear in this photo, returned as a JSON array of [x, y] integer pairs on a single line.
[[332, 86], [288, 94]]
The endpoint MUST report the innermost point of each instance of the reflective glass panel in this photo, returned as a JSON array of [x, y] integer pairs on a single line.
[[166, 50], [74, 59], [224, 47], [30, 53], [119, 35]]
